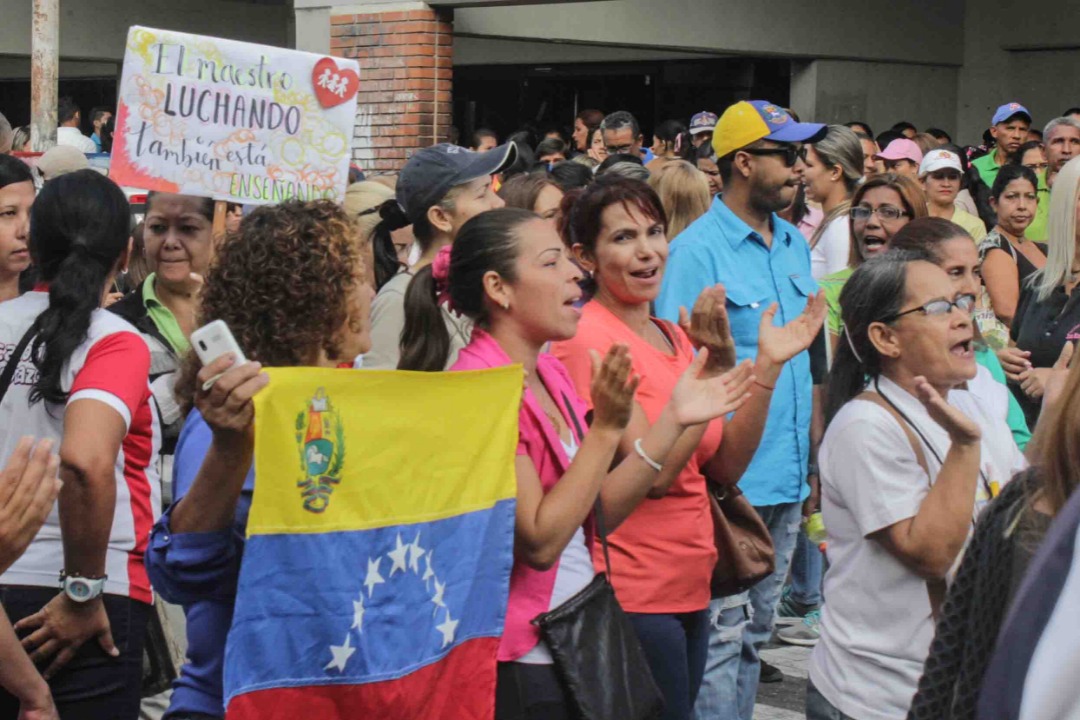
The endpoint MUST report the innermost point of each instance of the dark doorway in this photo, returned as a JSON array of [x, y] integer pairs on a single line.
[[505, 98], [88, 93]]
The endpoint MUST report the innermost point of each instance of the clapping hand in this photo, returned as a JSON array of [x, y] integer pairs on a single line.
[[707, 326], [613, 387], [961, 429], [700, 396], [777, 345]]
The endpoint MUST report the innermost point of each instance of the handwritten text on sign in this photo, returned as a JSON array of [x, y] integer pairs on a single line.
[[231, 120]]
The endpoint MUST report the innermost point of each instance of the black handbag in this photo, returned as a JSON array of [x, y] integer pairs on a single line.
[[596, 651]]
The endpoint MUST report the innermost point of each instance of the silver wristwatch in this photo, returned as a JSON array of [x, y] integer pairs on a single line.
[[80, 589]]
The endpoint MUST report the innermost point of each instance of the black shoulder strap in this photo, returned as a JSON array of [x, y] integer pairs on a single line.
[[598, 509], [14, 358]]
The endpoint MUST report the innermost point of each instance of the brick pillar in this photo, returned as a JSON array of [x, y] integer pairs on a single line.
[[406, 69]]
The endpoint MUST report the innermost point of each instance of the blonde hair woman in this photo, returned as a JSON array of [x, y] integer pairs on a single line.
[[684, 193], [1047, 316], [834, 169]]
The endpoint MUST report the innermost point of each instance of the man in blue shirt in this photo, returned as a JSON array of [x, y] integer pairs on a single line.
[[760, 259]]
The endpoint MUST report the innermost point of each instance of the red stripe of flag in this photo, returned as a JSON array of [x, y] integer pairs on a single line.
[[461, 686]]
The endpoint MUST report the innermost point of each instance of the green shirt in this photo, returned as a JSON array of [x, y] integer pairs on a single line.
[[987, 167], [1036, 231], [831, 285], [163, 318]]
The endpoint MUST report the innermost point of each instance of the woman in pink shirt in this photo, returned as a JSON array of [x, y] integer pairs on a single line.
[[509, 272], [662, 556]]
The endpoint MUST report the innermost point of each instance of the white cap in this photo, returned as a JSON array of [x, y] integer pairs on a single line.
[[940, 160]]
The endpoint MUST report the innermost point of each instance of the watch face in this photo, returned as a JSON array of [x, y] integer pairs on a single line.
[[78, 590]]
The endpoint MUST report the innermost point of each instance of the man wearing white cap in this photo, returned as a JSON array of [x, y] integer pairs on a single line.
[[940, 173]]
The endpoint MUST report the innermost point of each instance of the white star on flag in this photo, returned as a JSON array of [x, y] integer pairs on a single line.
[[437, 598], [397, 556], [343, 652], [358, 614], [447, 629], [373, 576], [429, 572], [415, 551]]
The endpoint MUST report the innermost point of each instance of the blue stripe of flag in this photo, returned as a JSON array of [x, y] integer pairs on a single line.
[[369, 605]]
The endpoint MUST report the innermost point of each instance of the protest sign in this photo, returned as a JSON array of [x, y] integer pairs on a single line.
[[233, 121]]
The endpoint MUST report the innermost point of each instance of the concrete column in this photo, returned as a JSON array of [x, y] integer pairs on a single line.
[[44, 64]]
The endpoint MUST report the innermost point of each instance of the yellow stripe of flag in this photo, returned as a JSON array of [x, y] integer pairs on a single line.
[[358, 449]]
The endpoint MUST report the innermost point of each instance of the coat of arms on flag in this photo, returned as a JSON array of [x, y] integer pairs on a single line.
[[386, 601]]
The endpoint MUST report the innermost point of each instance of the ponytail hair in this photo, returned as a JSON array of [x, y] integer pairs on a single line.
[[392, 218], [79, 228], [876, 290], [486, 243]]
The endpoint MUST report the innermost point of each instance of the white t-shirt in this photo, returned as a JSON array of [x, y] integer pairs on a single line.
[[574, 573], [112, 367], [71, 136], [876, 624], [831, 252]]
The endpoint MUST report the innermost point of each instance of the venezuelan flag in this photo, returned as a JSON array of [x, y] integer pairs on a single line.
[[380, 541]]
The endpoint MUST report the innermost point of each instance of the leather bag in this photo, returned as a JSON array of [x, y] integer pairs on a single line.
[[744, 546]]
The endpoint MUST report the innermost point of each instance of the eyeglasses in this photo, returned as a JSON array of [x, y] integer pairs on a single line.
[[791, 154], [620, 149], [965, 303], [711, 173], [885, 212], [1036, 166]]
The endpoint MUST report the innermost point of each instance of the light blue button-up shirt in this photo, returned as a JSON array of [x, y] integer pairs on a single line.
[[720, 248]]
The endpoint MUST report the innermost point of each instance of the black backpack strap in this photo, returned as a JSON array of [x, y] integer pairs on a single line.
[[14, 358], [598, 509]]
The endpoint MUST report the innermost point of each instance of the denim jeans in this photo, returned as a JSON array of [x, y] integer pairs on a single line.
[[806, 571], [93, 686], [741, 624], [675, 646], [818, 708]]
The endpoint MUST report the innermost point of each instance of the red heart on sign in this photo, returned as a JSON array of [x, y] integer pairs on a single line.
[[333, 85]]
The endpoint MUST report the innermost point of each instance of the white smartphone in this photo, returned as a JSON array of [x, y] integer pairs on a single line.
[[213, 340]]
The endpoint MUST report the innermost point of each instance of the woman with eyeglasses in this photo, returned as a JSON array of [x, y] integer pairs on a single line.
[[880, 207], [908, 460], [1009, 258]]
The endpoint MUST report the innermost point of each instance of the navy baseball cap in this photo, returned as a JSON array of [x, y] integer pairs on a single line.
[[430, 173], [703, 121], [1007, 110]]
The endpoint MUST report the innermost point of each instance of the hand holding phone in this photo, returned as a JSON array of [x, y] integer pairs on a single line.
[[213, 340]]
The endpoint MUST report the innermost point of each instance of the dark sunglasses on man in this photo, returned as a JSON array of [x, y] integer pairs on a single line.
[[790, 154]]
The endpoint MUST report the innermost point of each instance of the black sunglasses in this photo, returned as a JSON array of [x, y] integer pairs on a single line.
[[790, 153]]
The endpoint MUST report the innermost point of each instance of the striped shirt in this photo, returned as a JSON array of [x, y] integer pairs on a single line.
[[111, 366]]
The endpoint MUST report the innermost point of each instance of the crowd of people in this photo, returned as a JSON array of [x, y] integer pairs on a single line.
[[873, 333]]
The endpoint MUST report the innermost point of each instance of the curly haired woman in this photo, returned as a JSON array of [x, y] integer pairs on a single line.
[[291, 286]]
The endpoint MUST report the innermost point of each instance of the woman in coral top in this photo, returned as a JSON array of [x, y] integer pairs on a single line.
[[662, 556]]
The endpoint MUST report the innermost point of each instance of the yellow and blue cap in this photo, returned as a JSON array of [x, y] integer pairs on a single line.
[[748, 121]]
